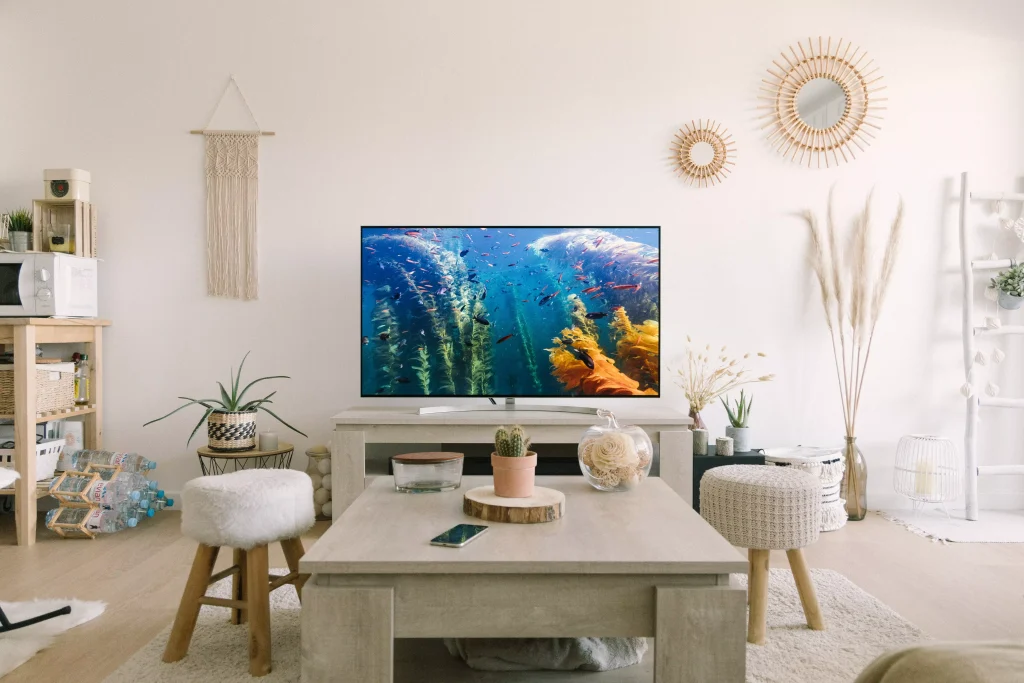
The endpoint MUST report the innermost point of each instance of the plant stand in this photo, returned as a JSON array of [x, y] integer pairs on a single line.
[[218, 462]]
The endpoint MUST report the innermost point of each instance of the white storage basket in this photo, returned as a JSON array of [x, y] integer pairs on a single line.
[[825, 463], [47, 455]]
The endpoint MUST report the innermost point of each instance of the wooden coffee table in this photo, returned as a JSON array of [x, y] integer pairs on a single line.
[[641, 563]]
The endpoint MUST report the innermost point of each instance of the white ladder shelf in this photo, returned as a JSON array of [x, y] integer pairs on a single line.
[[975, 402]]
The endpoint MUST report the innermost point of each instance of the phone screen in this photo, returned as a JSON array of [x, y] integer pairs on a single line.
[[459, 535]]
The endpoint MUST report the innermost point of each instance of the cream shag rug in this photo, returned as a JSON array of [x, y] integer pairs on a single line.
[[859, 629], [992, 526], [20, 645]]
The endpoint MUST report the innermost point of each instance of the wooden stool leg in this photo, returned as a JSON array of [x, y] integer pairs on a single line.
[[293, 552], [805, 587], [750, 571], [238, 592], [188, 608], [257, 579], [757, 587]]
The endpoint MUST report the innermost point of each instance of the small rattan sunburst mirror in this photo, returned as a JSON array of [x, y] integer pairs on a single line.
[[822, 102], [703, 152]]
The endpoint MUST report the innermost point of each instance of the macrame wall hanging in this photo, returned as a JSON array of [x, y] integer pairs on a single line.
[[232, 192]]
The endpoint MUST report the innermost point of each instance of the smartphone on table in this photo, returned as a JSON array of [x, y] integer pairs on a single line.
[[459, 535]]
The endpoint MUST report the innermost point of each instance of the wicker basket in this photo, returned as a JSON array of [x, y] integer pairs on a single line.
[[234, 431], [47, 455], [55, 388]]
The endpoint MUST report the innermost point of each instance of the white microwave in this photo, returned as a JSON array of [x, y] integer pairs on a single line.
[[47, 284]]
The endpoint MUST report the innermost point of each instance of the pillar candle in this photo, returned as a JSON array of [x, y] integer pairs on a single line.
[[700, 442], [268, 441], [723, 445]]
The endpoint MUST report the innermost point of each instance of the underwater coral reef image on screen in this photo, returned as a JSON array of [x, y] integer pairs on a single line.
[[510, 311]]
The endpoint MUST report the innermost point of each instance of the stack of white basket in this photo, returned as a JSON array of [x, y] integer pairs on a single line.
[[829, 466], [319, 471]]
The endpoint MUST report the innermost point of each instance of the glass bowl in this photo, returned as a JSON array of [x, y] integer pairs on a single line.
[[615, 458], [427, 472]]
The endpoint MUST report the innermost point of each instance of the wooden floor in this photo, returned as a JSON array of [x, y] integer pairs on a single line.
[[957, 592]]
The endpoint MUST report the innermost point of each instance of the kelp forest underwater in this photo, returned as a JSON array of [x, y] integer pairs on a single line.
[[479, 311]]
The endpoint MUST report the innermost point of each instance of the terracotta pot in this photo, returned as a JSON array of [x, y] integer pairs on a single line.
[[513, 477]]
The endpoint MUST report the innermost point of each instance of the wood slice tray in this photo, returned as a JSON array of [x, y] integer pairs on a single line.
[[545, 505]]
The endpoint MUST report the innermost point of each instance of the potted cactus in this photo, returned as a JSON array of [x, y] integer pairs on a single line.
[[738, 418], [513, 463]]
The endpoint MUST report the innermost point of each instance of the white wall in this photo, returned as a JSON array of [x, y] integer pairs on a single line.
[[456, 111]]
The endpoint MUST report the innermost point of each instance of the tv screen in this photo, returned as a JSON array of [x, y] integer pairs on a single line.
[[510, 311]]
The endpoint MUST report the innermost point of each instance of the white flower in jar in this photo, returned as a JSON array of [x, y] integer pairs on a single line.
[[614, 450]]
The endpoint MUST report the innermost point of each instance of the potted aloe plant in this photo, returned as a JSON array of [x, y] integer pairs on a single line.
[[1010, 284], [513, 463], [231, 419], [19, 227], [739, 415]]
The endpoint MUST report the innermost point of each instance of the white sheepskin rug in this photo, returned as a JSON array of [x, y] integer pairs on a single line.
[[20, 645]]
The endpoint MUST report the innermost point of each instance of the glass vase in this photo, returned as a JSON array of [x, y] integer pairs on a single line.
[[855, 481], [613, 457]]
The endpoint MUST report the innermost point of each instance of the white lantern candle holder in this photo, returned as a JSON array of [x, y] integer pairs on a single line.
[[927, 470]]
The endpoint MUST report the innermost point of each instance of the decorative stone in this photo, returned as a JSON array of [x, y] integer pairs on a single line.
[[321, 496], [723, 446]]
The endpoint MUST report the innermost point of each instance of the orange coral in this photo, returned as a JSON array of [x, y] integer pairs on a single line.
[[637, 347], [603, 380]]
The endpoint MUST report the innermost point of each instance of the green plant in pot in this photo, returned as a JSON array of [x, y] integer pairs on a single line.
[[19, 228], [1010, 284], [739, 415], [513, 462], [231, 419]]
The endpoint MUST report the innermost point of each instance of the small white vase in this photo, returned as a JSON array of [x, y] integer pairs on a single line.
[[20, 241], [740, 438]]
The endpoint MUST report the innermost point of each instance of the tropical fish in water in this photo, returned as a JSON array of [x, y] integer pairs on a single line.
[[406, 380], [469, 344], [610, 263], [588, 290], [596, 316], [463, 252], [581, 278], [654, 260], [516, 244], [549, 297], [484, 295], [560, 277], [443, 290], [366, 340], [412, 233], [431, 310], [486, 253], [598, 241], [585, 357], [506, 338], [398, 296], [545, 250], [635, 288], [480, 319], [423, 333], [384, 336]]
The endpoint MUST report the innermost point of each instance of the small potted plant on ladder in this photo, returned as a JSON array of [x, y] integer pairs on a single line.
[[230, 419], [1010, 284], [738, 418], [513, 463]]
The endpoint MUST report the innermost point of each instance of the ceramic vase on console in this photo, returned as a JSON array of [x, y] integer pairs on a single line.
[[740, 438], [855, 481], [613, 457]]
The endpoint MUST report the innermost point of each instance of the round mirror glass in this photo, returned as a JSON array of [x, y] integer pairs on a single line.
[[821, 103], [702, 153]]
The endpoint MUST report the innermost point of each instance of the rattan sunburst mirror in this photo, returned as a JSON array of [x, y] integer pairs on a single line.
[[822, 102], [703, 152]]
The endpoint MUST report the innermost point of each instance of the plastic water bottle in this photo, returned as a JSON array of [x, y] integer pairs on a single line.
[[72, 485], [128, 462], [113, 492], [108, 521]]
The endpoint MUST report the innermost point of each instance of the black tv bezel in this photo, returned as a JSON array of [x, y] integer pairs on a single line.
[[656, 228]]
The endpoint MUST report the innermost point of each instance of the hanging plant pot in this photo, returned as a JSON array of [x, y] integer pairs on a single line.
[[1010, 302], [231, 431]]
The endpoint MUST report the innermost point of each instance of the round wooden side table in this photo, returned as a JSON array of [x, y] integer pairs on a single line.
[[218, 462]]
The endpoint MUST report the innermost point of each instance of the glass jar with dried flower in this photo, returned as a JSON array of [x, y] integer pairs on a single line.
[[613, 457]]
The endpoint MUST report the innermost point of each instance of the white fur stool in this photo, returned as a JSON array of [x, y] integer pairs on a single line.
[[764, 508], [244, 510]]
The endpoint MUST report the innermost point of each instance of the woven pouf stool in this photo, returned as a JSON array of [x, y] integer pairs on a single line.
[[828, 464], [244, 510], [764, 508]]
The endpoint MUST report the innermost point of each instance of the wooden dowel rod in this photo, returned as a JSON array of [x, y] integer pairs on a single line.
[[203, 132], [234, 569], [223, 602], [282, 580]]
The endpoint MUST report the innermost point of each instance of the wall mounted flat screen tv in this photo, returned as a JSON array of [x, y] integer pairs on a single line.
[[511, 311]]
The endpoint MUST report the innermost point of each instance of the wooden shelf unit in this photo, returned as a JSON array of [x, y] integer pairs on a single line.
[[78, 214], [24, 334]]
